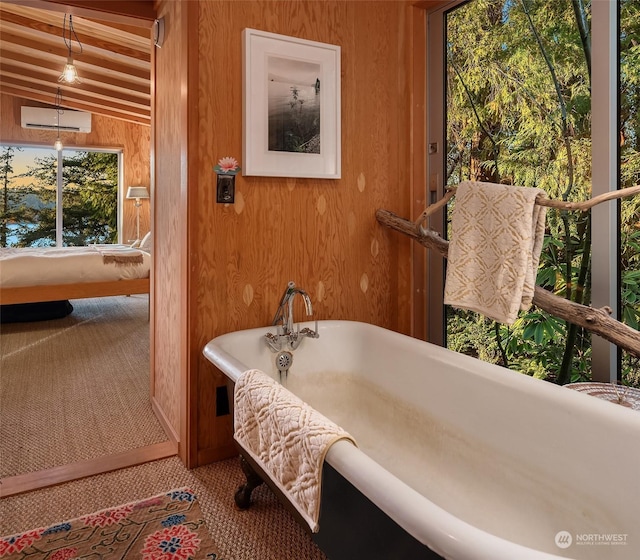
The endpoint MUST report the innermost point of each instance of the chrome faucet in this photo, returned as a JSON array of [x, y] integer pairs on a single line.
[[286, 336]]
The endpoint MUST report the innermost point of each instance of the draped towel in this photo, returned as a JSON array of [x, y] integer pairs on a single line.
[[496, 239], [286, 437], [120, 256]]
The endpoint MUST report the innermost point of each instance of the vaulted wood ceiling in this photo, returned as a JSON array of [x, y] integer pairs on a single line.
[[114, 66]]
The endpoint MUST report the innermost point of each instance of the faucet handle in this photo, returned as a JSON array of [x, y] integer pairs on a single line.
[[310, 332]]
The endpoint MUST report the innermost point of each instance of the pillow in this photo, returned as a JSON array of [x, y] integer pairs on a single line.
[[146, 243]]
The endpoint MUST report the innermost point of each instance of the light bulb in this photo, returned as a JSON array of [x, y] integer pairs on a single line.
[[69, 74], [58, 145]]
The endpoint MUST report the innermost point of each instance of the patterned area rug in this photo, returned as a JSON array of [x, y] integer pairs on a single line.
[[166, 527]]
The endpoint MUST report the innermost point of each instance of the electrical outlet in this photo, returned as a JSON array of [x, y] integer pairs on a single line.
[[226, 189]]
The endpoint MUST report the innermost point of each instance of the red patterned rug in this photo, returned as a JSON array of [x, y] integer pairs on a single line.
[[166, 527]]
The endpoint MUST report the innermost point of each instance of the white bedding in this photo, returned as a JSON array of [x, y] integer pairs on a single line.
[[43, 266]]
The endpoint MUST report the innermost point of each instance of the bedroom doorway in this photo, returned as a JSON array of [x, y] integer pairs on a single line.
[[76, 389], [112, 331]]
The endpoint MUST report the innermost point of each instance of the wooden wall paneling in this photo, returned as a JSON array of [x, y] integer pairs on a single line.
[[212, 432], [133, 139], [171, 429], [417, 47], [137, 171], [320, 233], [209, 433], [170, 326], [430, 5]]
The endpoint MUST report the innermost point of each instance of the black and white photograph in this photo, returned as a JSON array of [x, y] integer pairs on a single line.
[[294, 105], [291, 107]]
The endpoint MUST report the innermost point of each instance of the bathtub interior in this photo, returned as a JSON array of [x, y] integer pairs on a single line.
[[514, 456]]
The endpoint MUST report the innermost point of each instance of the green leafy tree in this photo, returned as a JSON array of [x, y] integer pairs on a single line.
[[519, 112], [8, 197], [89, 199], [630, 174]]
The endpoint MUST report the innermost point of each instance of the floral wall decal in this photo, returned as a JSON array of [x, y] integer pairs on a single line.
[[227, 165], [226, 169]]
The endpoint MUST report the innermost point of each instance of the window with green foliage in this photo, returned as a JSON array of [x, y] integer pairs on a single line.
[[518, 82], [32, 192], [630, 175]]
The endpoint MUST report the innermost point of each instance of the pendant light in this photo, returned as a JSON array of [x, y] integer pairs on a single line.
[[70, 73]]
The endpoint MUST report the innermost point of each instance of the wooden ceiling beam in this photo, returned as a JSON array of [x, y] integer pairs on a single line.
[[141, 32], [22, 60], [69, 97], [84, 58], [85, 39], [10, 70], [131, 34], [140, 13], [114, 66], [107, 112]]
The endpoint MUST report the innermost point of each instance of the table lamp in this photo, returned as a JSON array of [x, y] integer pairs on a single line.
[[137, 192]]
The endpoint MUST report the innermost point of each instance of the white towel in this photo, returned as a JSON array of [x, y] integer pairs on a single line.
[[120, 255], [496, 239], [286, 437]]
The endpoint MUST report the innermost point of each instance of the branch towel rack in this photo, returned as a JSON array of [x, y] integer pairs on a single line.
[[597, 321], [548, 202]]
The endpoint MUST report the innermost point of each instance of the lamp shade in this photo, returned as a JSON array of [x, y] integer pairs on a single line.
[[137, 192], [69, 73]]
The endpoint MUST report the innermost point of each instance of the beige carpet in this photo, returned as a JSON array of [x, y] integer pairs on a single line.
[[266, 531], [76, 388]]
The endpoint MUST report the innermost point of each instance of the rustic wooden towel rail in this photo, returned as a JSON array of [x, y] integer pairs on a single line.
[[597, 321], [548, 202]]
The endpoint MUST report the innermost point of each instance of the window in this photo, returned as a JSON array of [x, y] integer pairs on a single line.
[[41, 207], [629, 117], [517, 95]]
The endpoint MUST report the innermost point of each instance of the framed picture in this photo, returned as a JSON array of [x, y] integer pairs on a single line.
[[291, 107]]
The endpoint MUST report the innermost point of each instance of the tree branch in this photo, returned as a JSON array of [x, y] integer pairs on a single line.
[[475, 112], [548, 202], [597, 321], [583, 28]]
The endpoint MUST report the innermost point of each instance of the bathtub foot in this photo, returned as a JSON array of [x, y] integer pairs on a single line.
[[243, 493]]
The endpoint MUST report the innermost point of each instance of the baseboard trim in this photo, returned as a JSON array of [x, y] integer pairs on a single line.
[[164, 421], [27, 482]]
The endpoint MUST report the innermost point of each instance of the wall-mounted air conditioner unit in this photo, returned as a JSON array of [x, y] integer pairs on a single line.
[[47, 119]]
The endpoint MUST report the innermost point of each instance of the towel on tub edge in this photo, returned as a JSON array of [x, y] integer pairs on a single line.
[[286, 437], [496, 239]]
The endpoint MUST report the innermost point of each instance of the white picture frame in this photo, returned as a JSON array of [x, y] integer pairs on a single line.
[[291, 107]]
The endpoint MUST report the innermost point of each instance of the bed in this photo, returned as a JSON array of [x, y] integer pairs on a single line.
[[40, 274]]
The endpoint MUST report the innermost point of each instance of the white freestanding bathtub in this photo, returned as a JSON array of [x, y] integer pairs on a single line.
[[472, 460]]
